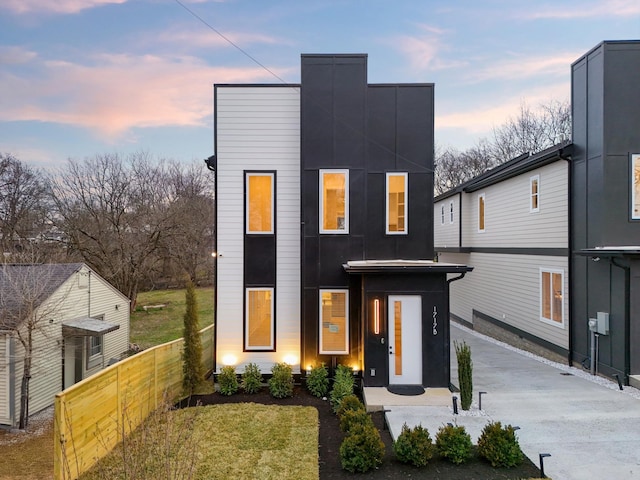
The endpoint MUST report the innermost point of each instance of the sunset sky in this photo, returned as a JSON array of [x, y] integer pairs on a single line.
[[83, 77]]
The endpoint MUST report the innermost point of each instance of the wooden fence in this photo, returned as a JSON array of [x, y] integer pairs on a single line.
[[92, 416]]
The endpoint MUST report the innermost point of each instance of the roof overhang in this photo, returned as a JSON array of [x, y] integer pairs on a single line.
[[87, 327], [613, 251], [403, 266]]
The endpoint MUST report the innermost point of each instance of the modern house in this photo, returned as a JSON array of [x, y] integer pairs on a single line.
[[79, 324], [555, 237], [324, 243]]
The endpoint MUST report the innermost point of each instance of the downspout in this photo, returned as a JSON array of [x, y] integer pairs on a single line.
[[563, 156], [448, 342], [627, 318]]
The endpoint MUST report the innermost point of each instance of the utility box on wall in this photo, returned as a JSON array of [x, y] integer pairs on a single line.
[[600, 324]]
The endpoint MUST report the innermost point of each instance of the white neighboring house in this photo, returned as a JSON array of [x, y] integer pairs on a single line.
[[510, 224], [82, 327]]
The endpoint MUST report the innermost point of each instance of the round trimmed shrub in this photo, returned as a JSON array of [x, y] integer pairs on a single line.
[[499, 445], [318, 380], [228, 380], [350, 403], [251, 378], [352, 419], [281, 381], [362, 450], [414, 446], [454, 443]]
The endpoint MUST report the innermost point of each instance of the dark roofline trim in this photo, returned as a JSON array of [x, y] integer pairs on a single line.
[[514, 167], [392, 269]]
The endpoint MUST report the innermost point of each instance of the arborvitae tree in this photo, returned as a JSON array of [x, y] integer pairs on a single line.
[[465, 368], [192, 353]]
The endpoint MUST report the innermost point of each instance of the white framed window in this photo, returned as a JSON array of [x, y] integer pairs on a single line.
[[94, 348], [451, 209], [334, 201], [259, 319], [442, 214], [397, 205], [552, 296], [481, 212], [534, 194], [259, 202], [334, 322]]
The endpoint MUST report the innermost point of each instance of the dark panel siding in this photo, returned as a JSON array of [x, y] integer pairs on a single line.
[[260, 260]]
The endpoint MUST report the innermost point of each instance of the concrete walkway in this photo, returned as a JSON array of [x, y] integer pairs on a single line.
[[590, 427]]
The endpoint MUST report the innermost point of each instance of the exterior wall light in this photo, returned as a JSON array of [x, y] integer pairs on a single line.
[[376, 316]]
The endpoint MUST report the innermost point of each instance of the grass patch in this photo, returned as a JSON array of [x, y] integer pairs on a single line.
[[238, 441], [158, 326]]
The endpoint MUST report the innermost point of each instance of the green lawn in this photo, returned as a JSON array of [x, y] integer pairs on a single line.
[[234, 441], [157, 326]]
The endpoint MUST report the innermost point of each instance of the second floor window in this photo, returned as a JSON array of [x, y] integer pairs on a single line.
[[481, 211], [396, 203], [534, 190], [259, 203], [334, 201]]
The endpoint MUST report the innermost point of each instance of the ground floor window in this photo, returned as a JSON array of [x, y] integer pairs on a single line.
[[259, 319], [552, 296], [334, 322]]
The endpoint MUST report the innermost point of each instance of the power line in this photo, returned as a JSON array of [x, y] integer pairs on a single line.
[[319, 104]]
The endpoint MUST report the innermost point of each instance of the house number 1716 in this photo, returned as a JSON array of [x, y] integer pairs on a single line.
[[435, 320]]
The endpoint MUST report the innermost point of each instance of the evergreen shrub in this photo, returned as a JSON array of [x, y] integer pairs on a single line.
[[414, 446], [228, 380], [281, 381], [465, 373], [251, 378], [342, 386], [454, 443], [499, 445], [318, 380], [362, 449]]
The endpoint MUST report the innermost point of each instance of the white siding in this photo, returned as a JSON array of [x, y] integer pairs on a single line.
[[4, 380], [508, 220], [447, 234], [69, 302], [258, 128], [507, 288]]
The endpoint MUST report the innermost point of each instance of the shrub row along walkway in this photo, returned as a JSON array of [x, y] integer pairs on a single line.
[[590, 427]]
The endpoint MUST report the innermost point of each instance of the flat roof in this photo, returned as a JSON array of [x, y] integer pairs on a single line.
[[403, 266], [610, 250], [87, 327]]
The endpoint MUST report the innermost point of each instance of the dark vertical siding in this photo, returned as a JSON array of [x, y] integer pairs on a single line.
[[606, 115]]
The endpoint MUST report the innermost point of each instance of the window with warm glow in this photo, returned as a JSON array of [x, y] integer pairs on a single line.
[[334, 322], [259, 202], [397, 203], [552, 296], [334, 201], [259, 331], [481, 207], [534, 194]]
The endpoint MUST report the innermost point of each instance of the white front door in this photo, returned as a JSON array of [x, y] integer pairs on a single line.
[[405, 339]]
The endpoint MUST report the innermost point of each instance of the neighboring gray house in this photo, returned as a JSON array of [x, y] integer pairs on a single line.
[[554, 238], [81, 324]]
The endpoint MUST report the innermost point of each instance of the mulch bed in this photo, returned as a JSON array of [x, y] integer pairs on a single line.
[[330, 438]]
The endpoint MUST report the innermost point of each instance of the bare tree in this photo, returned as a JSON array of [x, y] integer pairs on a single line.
[[27, 307], [529, 132], [22, 203], [192, 206], [115, 214]]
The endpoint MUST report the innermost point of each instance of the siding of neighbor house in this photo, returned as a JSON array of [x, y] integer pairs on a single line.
[[257, 128], [68, 302], [4, 379], [505, 284]]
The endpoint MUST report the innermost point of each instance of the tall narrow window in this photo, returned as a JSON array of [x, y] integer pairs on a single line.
[[534, 194], [552, 296], [334, 201], [442, 214], [259, 326], [397, 203], [334, 322], [451, 211], [94, 347], [481, 208], [259, 203]]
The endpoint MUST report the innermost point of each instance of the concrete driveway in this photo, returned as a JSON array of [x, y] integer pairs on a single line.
[[590, 427]]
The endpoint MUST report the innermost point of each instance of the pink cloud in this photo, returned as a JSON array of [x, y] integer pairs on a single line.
[[422, 51], [522, 67], [121, 92], [11, 55], [204, 38], [53, 6]]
